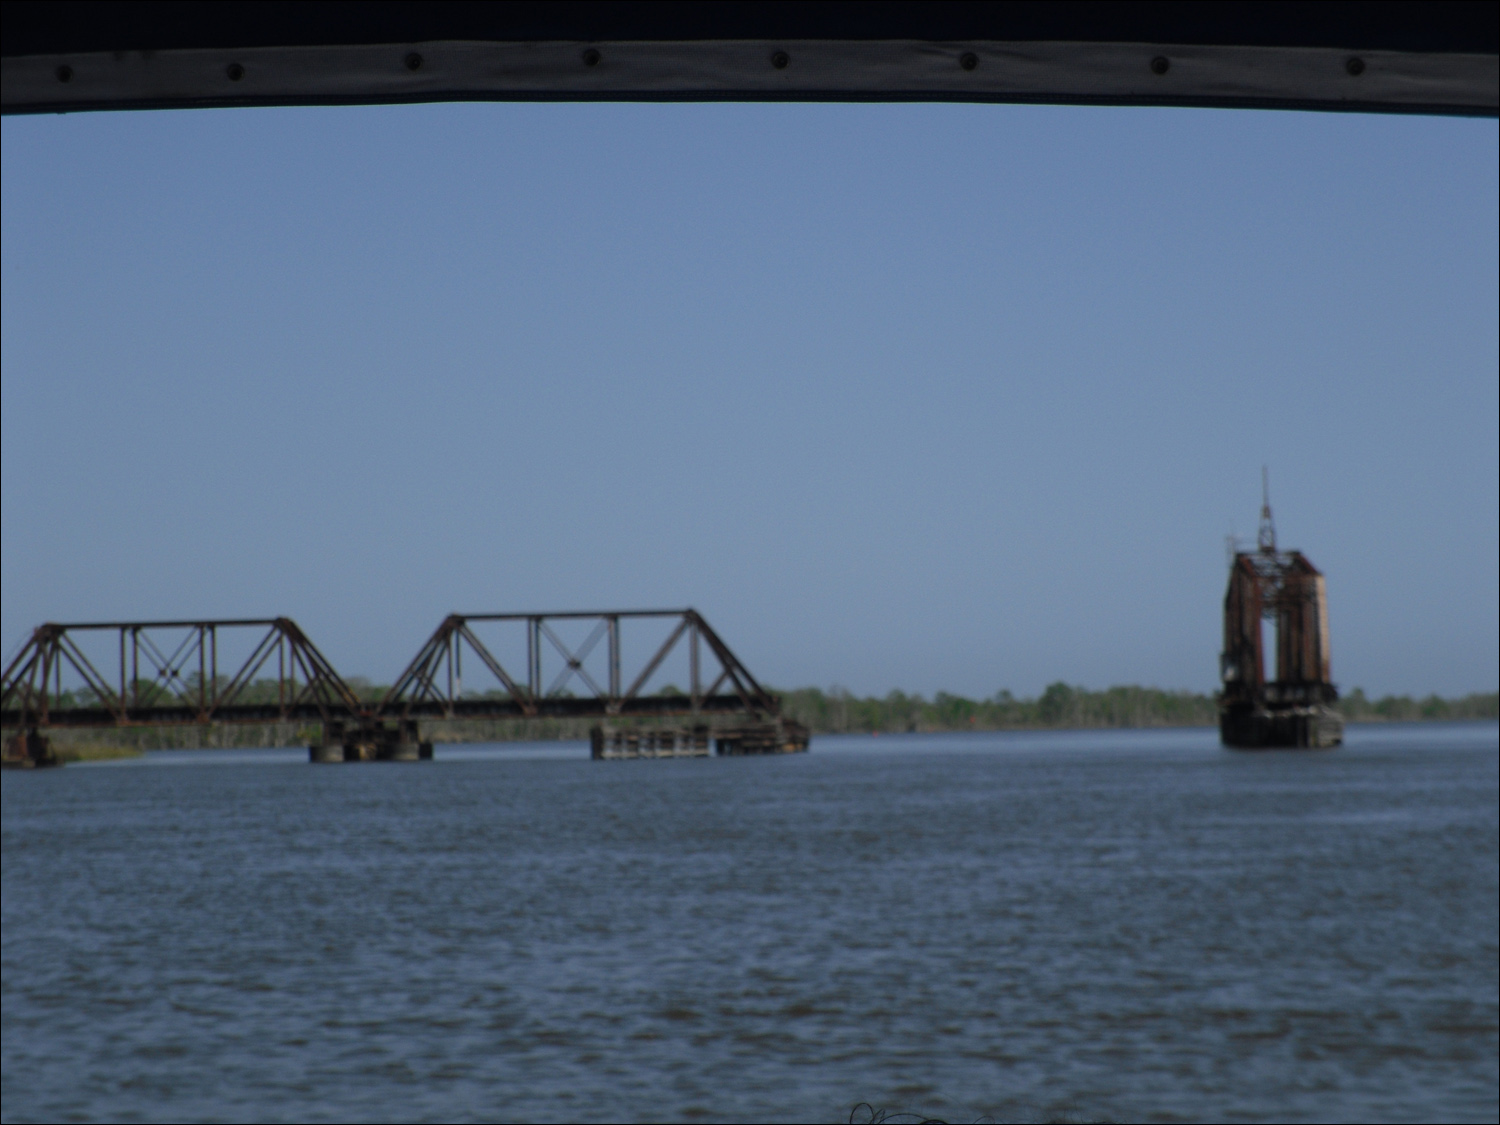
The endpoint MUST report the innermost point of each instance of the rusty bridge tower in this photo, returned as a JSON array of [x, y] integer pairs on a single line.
[[1296, 708]]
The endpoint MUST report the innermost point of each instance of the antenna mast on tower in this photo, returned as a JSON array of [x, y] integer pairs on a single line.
[[1266, 537]]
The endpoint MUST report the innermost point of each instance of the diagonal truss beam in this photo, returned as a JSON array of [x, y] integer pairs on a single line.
[[575, 661], [661, 654]]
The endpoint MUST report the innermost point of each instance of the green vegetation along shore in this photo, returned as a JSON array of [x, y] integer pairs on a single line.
[[1063, 706], [1060, 706], [834, 711]]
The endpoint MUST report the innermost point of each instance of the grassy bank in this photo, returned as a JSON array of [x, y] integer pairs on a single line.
[[94, 745], [92, 751]]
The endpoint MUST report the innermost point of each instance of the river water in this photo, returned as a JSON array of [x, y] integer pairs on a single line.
[[1020, 927]]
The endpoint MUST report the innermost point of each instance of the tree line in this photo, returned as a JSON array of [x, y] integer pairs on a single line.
[[1063, 705]]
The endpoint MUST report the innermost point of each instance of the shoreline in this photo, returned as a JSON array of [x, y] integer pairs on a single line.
[[96, 750]]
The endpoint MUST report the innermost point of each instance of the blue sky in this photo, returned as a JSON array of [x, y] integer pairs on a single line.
[[920, 396]]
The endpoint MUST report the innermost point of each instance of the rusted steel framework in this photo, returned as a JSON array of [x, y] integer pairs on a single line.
[[1287, 589], [165, 672], [432, 685], [1296, 707], [169, 672]]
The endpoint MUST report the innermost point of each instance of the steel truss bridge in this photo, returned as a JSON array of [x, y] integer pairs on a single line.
[[155, 673]]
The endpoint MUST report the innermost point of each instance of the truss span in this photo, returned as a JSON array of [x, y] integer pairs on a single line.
[[572, 665]]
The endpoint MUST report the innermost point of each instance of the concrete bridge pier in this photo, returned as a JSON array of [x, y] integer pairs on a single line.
[[325, 752], [365, 742], [402, 743], [29, 750]]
